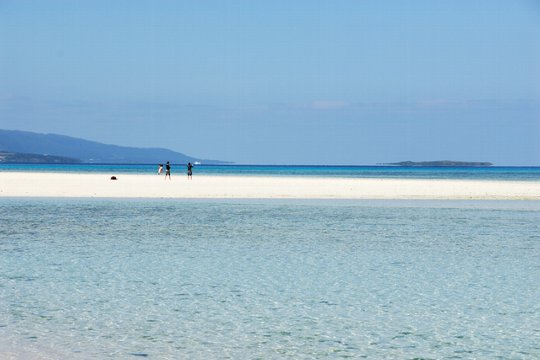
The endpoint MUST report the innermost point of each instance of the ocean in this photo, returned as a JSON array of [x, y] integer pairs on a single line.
[[474, 173], [269, 279]]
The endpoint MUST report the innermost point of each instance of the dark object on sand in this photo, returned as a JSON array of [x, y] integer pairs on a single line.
[[113, 178]]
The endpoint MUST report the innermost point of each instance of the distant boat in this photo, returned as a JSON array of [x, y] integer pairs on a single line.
[[196, 163]]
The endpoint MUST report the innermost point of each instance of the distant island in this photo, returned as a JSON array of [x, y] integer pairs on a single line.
[[28, 147], [10, 157], [440, 163]]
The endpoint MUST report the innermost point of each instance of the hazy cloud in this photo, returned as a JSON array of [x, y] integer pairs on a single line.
[[329, 104]]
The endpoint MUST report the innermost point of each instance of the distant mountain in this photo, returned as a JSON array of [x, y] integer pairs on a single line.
[[30, 147], [440, 163]]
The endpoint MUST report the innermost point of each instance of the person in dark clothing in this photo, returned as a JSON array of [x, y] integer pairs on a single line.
[[168, 170], [189, 171]]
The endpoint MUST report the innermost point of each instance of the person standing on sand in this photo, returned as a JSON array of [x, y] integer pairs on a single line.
[[167, 171], [160, 169], [189, 172]]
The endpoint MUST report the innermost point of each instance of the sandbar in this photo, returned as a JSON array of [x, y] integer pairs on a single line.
[[85, 185]]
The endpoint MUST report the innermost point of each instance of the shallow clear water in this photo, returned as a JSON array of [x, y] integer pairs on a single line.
[[161, 279], [486, 173]]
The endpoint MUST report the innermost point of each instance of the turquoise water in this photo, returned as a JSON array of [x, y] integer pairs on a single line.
[[173, 279], [490, 173]]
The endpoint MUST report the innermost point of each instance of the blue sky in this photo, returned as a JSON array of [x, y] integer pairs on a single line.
[[280, 82]]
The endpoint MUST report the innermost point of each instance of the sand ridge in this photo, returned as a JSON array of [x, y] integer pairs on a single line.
[[39, 184]]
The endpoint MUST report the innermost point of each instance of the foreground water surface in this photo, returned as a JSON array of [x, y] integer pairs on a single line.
[[115, 279]]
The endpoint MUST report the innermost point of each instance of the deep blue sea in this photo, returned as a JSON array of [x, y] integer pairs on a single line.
[[269, 279], [489, 173]]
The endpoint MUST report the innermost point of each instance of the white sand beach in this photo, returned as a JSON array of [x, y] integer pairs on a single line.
[[36, 184]]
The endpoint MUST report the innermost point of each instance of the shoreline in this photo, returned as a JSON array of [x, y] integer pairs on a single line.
[[77, 185]]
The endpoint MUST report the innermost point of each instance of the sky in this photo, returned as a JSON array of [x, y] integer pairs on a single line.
[[280, 82]]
